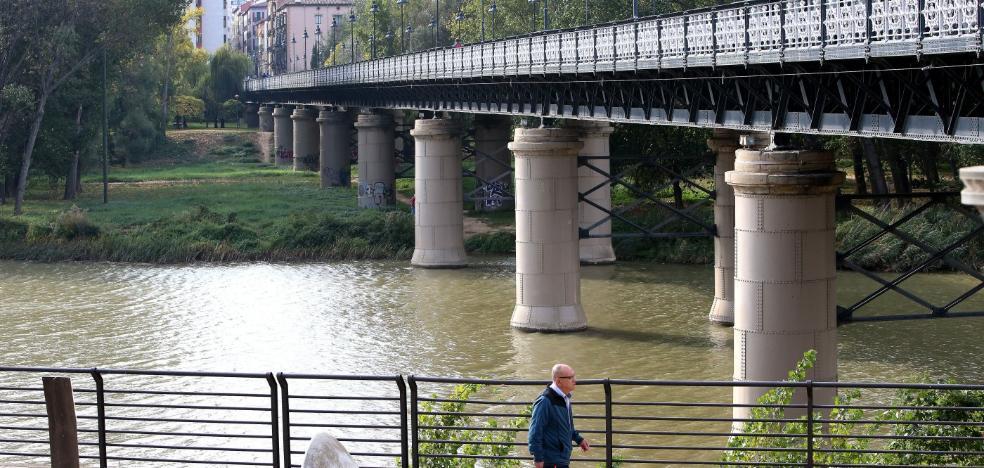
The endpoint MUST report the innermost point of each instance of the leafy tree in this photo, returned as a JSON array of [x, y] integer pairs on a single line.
[[227, 69], [232, 109], [188, 106], [955, 440]]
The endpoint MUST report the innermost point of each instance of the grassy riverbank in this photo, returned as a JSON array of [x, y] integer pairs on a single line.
[[220, 204]]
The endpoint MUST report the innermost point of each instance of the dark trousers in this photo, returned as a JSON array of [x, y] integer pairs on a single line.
[[553, 465]]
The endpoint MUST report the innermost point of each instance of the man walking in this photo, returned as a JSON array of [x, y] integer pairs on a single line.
[[552, 424]]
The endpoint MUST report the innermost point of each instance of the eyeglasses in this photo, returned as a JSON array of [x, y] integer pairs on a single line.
[[567, 377]]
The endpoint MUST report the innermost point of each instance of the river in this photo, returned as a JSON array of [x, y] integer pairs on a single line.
[[647, 321]]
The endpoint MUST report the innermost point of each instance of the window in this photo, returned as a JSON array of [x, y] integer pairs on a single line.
[[317, 19], [337, 20]]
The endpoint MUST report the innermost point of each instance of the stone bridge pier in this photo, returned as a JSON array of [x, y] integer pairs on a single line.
[[785, 294], [492, 161], [438, 220], [306, 139], [597, 191], [377, 172], [251, 115], [283, 137], [548, 268], [335, 149], [267, 147]]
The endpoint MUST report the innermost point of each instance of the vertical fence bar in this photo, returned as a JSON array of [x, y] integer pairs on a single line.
[[609, 437], [809, 423], [404, 444], [274, 421], [285, 409], [415, 441], [101, 416]]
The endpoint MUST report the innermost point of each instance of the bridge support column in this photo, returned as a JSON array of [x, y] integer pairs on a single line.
[[251, 116], [724, 143], [267, 147], [492, 161], [438, 221], [335, 151], [595, 250], [377, 175], [283, 137], [785, 274], [306, 153], [548, 271]]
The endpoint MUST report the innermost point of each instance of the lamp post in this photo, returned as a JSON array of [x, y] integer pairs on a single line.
[[586, 19], [403, 37], [372, 39], [317, 41], [546, 20], [492, 10], [437, 22], [481, 8], [459, 17], [532, 15], [352, 21], [334, 24], [408, 32], [305, 64], [389, 40], [635, 9], [433, 25], [293, 50]]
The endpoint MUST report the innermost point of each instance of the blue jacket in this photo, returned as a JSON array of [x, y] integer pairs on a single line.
[[552, 429]]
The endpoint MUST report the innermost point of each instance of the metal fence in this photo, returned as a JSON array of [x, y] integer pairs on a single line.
[[150, 418]]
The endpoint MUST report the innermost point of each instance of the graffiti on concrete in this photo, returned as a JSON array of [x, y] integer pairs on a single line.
[[494, 194], [284, 154], [379, 193]]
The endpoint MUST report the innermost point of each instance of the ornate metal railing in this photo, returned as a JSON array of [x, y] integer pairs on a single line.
[[749, 33]]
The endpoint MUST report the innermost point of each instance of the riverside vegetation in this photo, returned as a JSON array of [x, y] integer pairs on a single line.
[[205, 196]]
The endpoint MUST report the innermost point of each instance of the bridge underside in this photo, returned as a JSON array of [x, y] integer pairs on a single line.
[[933, 99]]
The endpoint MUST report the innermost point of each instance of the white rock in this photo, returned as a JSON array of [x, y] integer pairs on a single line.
[[327, 452]]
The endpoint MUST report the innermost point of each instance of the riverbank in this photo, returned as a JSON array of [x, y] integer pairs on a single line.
[[205, 196]]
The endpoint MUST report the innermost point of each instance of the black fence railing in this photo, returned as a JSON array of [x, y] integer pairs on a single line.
[[151, 418]]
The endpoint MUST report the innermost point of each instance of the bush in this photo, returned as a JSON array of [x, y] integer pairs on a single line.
[[492, 243], [920, 436], [74, 224], [12, 231]]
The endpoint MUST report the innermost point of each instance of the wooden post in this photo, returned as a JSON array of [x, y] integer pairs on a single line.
[[62, 425]]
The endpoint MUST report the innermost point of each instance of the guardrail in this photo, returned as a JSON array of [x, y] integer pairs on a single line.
[[739, 34], [164, 418]]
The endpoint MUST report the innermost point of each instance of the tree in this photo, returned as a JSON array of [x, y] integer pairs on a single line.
[[227, 70]]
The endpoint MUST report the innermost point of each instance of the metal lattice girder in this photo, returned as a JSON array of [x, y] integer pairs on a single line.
[[685, 215], [940, 98], [934, 254], [494, 190]]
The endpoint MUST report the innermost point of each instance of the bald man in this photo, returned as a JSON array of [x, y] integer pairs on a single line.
[[552, 434]]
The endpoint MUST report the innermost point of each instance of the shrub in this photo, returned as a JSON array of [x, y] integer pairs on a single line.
[[12, 231], [953, 444], [492, 243], [74, 224]]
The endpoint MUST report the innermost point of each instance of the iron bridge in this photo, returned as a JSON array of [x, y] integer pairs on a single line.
[[906, 69]]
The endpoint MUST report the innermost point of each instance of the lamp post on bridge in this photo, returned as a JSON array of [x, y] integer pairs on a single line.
[[334, 24], [532, 15], [459, 17], [305, 35], [482, 8], [352, 22], [293, 50], [389, 39], [437, 22], [317, 41], [492, 10], [635, 9], [403, 28], [433, 25], [372, 39]]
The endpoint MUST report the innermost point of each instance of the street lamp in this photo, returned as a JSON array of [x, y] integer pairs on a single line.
[[492, 10], [317, 41], [433, 25], [389, 39], [481, 8], [352, 21], [635, 9], [372, 39], [403, 36], [437, 22], [459, 18], [334, 24], [293, 49], [532, 15], [305, 64], [546, 21]]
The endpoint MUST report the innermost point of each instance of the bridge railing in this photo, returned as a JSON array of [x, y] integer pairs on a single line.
[[749, 33], [167, 418]]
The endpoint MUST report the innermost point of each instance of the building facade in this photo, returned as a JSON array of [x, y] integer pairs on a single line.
[[293, 28], [210, 31]]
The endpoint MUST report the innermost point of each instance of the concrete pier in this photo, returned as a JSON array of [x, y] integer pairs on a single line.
[[283, 137], [785, 291], [306, 139], [492, 161], [724, 143], [377, 174], [336, 149], [438, 221], [265, 138], [251, 116], [548, 270], [596, 250]]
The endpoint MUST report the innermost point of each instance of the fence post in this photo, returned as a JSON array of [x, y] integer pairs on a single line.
[[404, 444], [809, 423], [414, 440], [63, 431], [274, 419], [285, 416], [101, 416], [608, 423]]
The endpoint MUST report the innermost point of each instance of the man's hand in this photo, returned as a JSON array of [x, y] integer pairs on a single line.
[[584, 445], [539, 464]]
